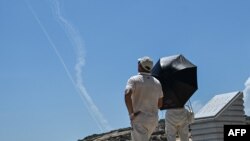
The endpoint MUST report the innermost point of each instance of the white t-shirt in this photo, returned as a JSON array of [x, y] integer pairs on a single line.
[[146, 91]]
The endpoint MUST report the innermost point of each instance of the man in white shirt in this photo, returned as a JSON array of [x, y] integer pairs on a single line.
[[143, 98]]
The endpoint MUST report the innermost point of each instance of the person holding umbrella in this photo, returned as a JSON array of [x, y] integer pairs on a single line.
[[143, 98], [178, 77], [176, 122]]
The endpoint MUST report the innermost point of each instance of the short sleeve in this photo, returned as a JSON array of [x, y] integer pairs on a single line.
[[130, 84]]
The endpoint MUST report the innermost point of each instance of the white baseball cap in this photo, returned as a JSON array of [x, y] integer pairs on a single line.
[[146, 62]]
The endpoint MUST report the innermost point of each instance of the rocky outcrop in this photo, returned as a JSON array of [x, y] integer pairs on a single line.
[[124, 134]]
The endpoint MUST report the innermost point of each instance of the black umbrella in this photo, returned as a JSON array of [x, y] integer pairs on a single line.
[[178, 77]]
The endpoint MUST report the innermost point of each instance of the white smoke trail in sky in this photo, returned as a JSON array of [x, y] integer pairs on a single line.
[[50, 41], [246, 93], [77, 41]]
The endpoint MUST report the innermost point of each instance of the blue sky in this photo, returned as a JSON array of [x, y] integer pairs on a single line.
[[65, 63]]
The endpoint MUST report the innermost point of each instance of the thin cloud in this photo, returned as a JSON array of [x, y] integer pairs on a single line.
[[78, 43], [197, 105], [52, 45]]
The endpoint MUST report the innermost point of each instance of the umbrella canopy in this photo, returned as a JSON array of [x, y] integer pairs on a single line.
[[178, 77]]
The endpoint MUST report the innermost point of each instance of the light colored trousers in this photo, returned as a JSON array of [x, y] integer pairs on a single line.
[[176, 123], [143, 126]]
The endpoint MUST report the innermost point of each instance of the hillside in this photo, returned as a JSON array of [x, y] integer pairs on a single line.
[[123, 134]]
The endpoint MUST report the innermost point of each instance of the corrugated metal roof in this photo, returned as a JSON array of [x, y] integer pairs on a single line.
[[216, 105], [223, 109]]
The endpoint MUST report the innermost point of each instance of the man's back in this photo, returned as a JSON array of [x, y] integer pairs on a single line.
[[146, 93], [143, 96]]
